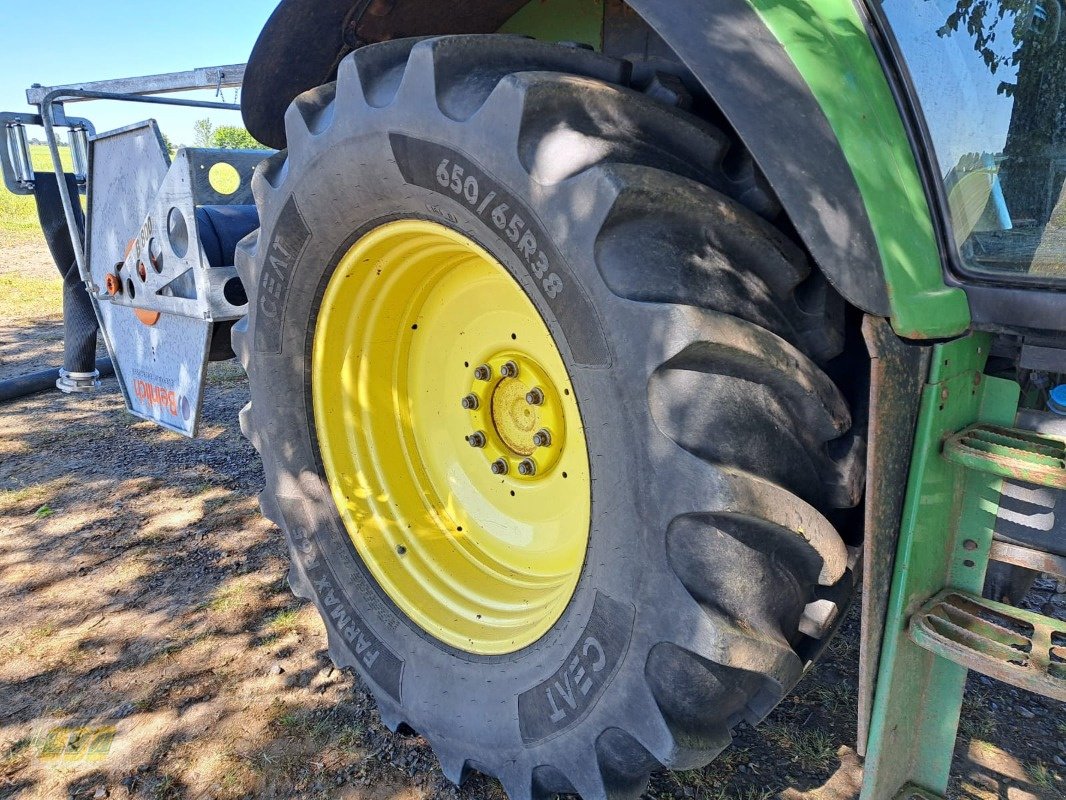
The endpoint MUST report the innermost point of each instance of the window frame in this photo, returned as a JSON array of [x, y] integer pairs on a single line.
[[957, 272]]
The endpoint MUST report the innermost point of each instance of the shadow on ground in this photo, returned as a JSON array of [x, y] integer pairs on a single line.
[[150, 648]]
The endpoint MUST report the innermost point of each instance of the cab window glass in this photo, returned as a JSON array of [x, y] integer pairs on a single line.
[[990, 76]]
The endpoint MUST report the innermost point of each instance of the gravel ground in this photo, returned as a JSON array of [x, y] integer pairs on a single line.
[[143, 603]]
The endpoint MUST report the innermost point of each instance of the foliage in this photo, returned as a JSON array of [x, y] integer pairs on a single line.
[[985, 21], [203, 132], [234, 137]]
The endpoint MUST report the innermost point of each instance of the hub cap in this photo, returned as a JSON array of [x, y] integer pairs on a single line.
[[451, 437]]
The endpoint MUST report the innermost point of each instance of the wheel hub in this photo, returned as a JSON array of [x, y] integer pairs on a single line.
[[516, 416], [451, 437]]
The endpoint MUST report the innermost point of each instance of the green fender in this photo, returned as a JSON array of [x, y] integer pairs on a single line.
[[799, 80]]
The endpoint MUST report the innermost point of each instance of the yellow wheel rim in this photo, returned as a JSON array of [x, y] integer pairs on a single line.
[[451, 437]]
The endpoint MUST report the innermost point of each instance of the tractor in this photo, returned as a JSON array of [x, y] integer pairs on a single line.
[[601, 352]]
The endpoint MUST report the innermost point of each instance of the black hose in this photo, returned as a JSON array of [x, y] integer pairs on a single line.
[[79, 319], [23, 385]]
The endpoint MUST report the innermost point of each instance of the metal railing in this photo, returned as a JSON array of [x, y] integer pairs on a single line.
[[51, 102]]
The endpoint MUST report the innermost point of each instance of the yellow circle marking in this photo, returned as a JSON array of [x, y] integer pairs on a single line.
[[486, 563], [515, 420]]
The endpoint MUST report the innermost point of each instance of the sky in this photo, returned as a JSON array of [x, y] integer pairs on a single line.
[[963, 109], [54, 42]]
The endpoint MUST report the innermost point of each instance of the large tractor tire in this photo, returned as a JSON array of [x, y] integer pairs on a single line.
[[540, 411]]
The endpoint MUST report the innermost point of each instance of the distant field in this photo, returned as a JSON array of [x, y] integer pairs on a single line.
[[30, 287], [18, 216]]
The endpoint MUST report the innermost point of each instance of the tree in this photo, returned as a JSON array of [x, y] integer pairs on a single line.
[[1012, 22], [234, 137], [169, 145], [1023, 36], [203, 133]]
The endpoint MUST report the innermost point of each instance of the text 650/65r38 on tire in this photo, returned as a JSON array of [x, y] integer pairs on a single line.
[[540, 414]]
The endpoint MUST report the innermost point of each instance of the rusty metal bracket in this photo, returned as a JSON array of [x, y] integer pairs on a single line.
[[1010, 453], [1018, 647], [897, 375], [1036, 560]]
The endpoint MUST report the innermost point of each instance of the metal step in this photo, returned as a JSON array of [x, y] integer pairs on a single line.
[[1018, 647], [1009, 453]]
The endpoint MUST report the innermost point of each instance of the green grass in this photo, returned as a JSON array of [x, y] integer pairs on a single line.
[[284, 622], [43, 631], [18, 214], [811, 748], [977, 720], [833, 697], [1041, 776], [229, 597], [26, 494], [747, 793], [27, 296], [166, 789]]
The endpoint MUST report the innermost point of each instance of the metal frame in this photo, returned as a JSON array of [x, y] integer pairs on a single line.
[[13, 118], [136, 90], [221, 77], [50, 102], [945, 539]]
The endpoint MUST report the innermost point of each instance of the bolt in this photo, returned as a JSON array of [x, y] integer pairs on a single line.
[[470, 402], [970, 544], [535, 396], [542, 438], [476, 439], [483, 373], [509, 370], [113, 283], [944, 393], [499, 467], [527, 467], [401, 550]]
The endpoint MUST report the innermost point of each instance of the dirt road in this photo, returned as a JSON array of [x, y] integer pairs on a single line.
[[143, 604]]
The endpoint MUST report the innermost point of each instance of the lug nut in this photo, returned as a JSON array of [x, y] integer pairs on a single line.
[[535, 396], [483, 373], [509, 370], [476, 439], [499, 467], [542, 438], [470, 402], [527, 467]]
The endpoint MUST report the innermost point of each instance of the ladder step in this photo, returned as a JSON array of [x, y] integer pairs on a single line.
[[1010, 453], [1018, 647]]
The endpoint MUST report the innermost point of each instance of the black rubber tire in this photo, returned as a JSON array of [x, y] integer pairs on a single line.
[[715, 440]]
